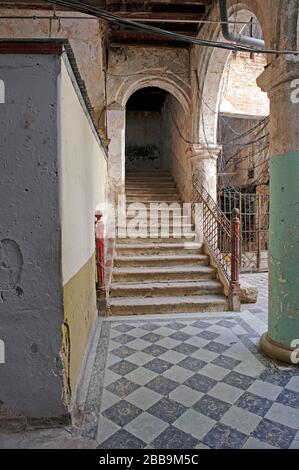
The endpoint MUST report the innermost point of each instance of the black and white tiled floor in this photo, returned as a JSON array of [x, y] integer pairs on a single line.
[[191, 382]]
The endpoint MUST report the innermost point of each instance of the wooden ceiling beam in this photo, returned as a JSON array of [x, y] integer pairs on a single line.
[[138, 38], [165, 2], [154, 17]]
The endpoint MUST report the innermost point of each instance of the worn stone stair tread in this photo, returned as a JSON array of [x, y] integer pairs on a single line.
[[163, 284], [158, 248], [150, 199], [137, 178], [168, 300], [163, 205], [165, 288], [173, 240], [162, 258], [161, 246], [163, 226], [161, 269], [163, 305], [137, 188]]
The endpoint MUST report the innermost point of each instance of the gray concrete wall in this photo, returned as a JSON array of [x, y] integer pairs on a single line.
[[31, 302]]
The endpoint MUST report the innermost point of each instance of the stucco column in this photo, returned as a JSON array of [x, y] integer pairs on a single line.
[[280, 81], [204, 163], [116, 127]]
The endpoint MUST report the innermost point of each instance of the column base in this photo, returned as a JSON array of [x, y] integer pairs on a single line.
[[276, 351]]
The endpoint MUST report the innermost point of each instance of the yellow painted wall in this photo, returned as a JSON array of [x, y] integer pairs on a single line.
[[83, 188]]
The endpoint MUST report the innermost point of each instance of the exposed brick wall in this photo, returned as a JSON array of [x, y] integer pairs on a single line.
[[240, 93]]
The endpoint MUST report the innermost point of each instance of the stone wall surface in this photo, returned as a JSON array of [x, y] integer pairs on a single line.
[[31, 301], [86, 36], [130, 69], [176, 125], [83, 189], [240, 93]]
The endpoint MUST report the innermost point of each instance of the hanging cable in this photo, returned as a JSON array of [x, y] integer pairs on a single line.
[[103, 14]]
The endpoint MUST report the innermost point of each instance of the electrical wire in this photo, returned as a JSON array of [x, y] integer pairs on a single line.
[[100, 13], [85, 8], [61, 17]]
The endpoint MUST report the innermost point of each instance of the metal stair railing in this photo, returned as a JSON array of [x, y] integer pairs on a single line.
[[222, 239]]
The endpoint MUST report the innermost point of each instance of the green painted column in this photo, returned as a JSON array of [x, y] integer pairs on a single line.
[[279, 80], [284, 248]]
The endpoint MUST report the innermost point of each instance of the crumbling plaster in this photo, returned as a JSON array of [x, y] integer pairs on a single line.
[[130, 69], [31, 303], [87, 39], [208, 65]]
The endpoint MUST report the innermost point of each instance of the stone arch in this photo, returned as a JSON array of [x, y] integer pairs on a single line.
[[116, 115], [210, 71], [168, 84]]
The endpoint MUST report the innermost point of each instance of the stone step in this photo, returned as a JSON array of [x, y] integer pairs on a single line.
[[158, 248], [161, 260], [174, 288], [149, 179], [148, 173], [148, 187], [154, 185], [156, 221], [162, 305], [183, 272], [159, 239], [145, 172], [151, 213], [167, 198], [178, 228], [164, 204], [153, 194]]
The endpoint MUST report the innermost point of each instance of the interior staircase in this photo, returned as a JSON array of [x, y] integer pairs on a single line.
[[162, 275]]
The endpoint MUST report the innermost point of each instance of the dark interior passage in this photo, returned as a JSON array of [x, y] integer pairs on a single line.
[[146, 132]]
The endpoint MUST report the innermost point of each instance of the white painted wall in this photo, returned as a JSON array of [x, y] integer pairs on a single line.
[[83, 184]]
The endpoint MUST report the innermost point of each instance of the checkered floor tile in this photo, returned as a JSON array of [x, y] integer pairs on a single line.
[[194, 383]]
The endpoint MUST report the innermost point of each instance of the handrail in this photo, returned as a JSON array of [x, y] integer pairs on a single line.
[[100, 260], [222, 238]]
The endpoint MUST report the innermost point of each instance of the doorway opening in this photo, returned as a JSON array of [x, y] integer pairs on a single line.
[[146, 130]]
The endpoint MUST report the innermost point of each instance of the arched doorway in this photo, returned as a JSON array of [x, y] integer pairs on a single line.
[[157, 134], [151, 123], [147, 130]]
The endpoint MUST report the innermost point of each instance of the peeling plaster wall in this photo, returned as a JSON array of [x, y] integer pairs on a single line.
[[207, 64], [132, 68], [83, 190], [242, 159], [176, 129], [240, 93], [31, 301], [86, 38]]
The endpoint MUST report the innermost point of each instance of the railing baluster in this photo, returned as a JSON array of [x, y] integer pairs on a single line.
[[235, 248], [100, 255], [223, 240]]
